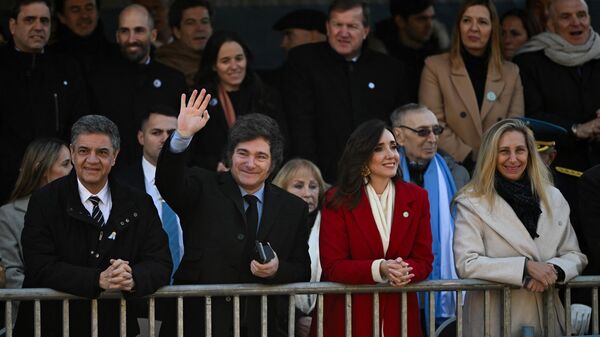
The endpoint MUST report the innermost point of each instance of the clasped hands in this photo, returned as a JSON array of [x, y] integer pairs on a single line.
[[543, 276], [117, 276], [591, 129], [397, 272]]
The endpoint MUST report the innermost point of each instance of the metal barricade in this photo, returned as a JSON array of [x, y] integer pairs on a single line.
[[320, 288]]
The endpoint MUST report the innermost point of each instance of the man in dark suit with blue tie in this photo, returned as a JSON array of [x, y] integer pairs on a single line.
[[156, 127], [224, 214]]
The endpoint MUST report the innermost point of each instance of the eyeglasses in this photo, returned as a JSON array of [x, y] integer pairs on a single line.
[[424, 132]]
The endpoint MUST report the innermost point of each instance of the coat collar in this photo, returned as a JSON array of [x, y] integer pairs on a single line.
[[121, 201], [401, 219], [507, 225], [272, 202], [462, 83]]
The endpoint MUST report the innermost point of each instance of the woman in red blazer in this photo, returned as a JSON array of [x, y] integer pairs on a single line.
[[374, 229]]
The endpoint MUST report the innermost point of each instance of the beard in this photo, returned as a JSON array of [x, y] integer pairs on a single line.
[[137, 56]]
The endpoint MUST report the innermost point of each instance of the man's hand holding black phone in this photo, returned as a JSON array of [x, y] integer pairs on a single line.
[[266, 263]]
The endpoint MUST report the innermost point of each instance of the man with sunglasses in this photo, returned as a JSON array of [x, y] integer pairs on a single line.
[[417, 131]]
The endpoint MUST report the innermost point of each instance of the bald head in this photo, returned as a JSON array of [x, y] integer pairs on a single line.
[[136, 33], [570, 20]]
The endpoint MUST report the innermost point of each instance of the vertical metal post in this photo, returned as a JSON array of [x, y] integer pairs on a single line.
[[264, 319], [151, 317], [404, 313], [65, 307], [487, 297], [459, 315], [549, 312], [431, 313], [94, 305], [179, 316], [376, 330], [8, 318], [208, 316], [507, 309], [568, 310], [37, 319], [236, 316], [348, 316], [292, 315], [320, 315], [595, 310], [123, 317]]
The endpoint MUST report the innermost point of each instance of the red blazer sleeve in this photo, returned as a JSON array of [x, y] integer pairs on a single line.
[[420, 257]]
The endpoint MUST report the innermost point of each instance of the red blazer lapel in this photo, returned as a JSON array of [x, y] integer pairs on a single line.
[[363, 219], [404, 214]]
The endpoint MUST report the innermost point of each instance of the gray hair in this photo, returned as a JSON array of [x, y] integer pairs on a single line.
[[252, 126], [96, 124], [398, 115]]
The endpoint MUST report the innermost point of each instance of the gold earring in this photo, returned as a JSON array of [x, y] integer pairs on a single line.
[[365, 172]]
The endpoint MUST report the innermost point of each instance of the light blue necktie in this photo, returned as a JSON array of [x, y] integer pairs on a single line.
[[171, 227]]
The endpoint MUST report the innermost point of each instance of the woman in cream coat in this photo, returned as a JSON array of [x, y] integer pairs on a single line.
[[471, 87], [512, 226]]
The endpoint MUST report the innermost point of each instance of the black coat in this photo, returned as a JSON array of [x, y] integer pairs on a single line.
[[124, 92], [212, 212], [563, 96], [41, 95], [326, 98], [65, 250], [208, 146]]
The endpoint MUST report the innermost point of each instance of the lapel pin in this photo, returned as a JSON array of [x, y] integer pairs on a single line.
[[157, 83], [491, 96], [112, 236], [405, 214], [371, 85]]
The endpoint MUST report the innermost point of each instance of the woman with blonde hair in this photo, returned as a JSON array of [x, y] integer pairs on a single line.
[[471, 87], [44, 160], [303, 178], [512, 226]]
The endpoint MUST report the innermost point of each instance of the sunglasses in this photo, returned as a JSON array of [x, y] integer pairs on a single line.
[[424, 132]]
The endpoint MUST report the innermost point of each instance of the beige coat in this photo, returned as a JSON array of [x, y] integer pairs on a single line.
[[491, 244], [446, 89]]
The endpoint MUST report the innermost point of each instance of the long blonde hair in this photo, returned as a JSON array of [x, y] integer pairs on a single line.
[[483, 183], [39, 156], [495, 58]]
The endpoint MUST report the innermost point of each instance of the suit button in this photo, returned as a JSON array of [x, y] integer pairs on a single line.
[[91, 252], [240, 236], [463, 114], [97, 255], [228, 299]]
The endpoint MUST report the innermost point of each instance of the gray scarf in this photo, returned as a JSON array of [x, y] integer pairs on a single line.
[[562, 52]]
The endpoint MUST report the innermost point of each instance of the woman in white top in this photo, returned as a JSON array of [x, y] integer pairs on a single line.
[[512, 226], [303, 178]]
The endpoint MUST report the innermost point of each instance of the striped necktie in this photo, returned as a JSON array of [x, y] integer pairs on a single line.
[[96, 212]]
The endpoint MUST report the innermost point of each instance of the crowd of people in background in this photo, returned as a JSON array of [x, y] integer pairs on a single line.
[[377, 153]]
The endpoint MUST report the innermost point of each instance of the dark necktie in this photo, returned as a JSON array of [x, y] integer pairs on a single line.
[[251, 218], [96, 212]]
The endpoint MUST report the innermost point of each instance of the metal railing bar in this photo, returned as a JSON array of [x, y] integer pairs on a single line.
[[376, 329], [37, 319], [507, 308], [94, 313], [431, 313], [264, 315], [151, 317], [459, 316], [179, 316], [320, 315], [123, 317], [236, 316], [404, 314], [208, 316], [487, 304], [292, 315], [348, 316], [8, 318], [568, 310], [66, 327]]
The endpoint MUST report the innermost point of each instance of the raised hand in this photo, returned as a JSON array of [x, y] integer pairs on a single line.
[[193, 116]]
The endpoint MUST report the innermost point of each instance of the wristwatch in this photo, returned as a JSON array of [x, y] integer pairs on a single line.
[[574, 129]]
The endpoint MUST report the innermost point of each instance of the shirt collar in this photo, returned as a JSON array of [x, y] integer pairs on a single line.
[[260, 194], [84, 194], [149, 170]]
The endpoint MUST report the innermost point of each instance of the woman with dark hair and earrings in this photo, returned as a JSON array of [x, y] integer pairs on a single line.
[[236, 89], [374, 229]]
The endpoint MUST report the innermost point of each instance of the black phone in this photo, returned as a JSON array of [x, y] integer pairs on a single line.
[[264, 252]]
